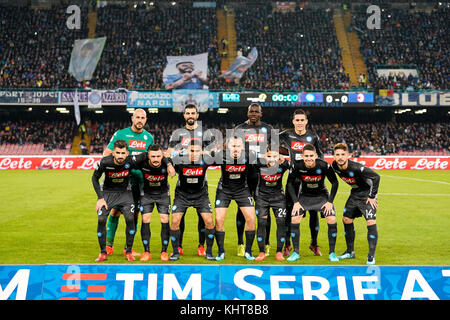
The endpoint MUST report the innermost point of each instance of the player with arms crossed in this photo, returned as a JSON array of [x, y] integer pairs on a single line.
[[312, 195], [191, 191], [138, 140], [292, 142], [155, 169], [361, 202], [115, 192], [269, 194]]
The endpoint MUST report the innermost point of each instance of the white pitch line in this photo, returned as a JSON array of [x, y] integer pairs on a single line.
[[415, 179]]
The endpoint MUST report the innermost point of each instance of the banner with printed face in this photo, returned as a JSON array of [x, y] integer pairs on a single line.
[[202, 99], [85, 56], [240, 65], [186, 72]]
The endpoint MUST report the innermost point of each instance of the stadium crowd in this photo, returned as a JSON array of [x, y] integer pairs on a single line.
[[362, 138], [297, 50]]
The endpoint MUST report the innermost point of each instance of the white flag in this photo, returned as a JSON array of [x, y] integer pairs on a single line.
[[76, 106]]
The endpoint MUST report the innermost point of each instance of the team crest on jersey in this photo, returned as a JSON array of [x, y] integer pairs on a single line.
[[127, 166], [308, 138]]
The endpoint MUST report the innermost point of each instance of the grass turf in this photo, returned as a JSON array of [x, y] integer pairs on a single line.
[[49, 216]]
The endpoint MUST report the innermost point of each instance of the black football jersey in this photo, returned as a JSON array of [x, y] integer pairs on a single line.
[[294, 142], [363, 180], [312, 180], [155, 179], [270, 179], [116, 177]]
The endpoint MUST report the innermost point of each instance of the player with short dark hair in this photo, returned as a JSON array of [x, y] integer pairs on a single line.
[[114, 191], [257, 136], [156, 192], [191, 191], [270, 195], [312, 194], [361, 202], [179, 142], [292, 142]]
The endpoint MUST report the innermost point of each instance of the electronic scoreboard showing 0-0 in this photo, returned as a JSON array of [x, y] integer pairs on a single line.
[[303, 99]]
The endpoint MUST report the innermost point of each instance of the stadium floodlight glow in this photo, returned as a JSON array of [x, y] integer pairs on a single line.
[[61, 109], [174, 3], [64, 111], [30, 109], [421, 111], [153, 110], [222, 110], [98, 111]]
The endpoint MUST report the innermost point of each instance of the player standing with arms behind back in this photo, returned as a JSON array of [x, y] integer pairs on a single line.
[[361, 202]]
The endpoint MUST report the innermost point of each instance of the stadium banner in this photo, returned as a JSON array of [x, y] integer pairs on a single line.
[[413, 99], [77, 162], [202, 99], [222, 282], [298, 99], [186, 72], [84, 58], [334, 282], [21, 97], [149, 99], [21, 282], [240, 65], [107, 97]]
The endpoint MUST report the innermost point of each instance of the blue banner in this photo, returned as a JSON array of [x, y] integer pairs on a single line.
[[147, 99], [223, 282], [334, 283]]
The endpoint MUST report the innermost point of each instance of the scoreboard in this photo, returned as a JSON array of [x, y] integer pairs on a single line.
[[301, 99]]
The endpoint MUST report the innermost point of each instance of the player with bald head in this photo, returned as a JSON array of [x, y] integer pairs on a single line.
[[138, 141]]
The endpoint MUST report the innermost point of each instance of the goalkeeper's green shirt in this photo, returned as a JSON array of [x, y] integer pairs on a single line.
[[137, 142]]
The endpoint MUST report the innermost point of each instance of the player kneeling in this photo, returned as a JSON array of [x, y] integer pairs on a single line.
[[312, 195], [269, 194], [361, 202]]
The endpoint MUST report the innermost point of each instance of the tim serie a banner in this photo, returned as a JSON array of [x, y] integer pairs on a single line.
[[223, 282]]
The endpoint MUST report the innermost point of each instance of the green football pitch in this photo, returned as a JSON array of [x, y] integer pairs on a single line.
[[49, 217]]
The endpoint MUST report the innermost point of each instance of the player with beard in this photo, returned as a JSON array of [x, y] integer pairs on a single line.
[[115, 191], [156, 192], [138, 140], [191, 191], [312, 194], [292, 142], [187, 78], [257, 136], [361, 202], [179, 143], [270, 195]]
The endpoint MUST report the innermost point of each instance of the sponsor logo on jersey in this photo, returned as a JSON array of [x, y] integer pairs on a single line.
[[271, 177], [349, 180], [235, 168], [185, 142], [154, 178], [254, 137], [312, 178], [192, 172], [297, 145], [120, 174], [136, 144]]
